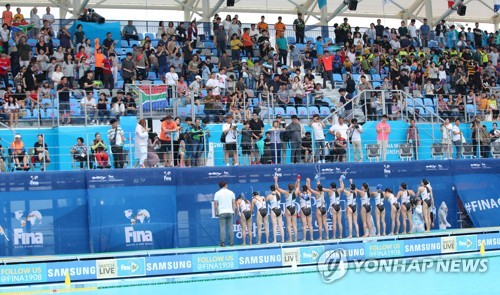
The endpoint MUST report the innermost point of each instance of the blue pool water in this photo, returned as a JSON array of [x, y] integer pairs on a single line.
[[304, 280]]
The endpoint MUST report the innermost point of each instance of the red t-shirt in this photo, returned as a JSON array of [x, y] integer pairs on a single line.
[[4, 66], [327, 62]]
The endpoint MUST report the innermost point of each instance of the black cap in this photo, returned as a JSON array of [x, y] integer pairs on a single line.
[[294, 117], [112, 121], [255, 193]]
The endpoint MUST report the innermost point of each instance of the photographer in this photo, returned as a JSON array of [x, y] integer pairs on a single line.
[[354, 132]]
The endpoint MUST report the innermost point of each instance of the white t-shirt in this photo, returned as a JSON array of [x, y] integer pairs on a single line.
[[446, 131], [171, 78], [340, 128], [222, 80], [456, 137], [49, 17], [214, 85], [225, 198], [413, 31], [231, 135], [356, 133], [88, 103], [318, 133]]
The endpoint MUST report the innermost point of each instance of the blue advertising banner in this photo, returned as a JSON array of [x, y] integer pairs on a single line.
[[491, 241], [355, 251], [208, 262], [420, 247], [263, 258], [476, 184], [43, 214], [384, 249], [81, 270], [467, 243], [131, 267], [310, 255], [168, 264], [23, 274]]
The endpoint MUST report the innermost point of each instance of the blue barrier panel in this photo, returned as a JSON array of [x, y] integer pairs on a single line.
[[264, 258], [78, 271], [132, 211], [476, 183], [169, 264], [43, 214], [195, 193], [23, 274]]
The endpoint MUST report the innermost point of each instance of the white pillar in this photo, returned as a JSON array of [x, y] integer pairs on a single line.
[[428, 12]]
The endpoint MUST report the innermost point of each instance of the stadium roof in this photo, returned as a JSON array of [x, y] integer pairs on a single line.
[[477, 10]]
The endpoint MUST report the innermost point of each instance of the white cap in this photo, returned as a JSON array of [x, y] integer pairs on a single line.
[[17, 136], [198, 77]]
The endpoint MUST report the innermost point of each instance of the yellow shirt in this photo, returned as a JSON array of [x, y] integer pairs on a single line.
[[236, 44]]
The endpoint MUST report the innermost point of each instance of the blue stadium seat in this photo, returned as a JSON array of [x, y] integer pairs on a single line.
[[200, 110], [410, 103], [291, 111], [209, 45], [134, 42], [302, 111], [182, 111], [154, 44], [313, 111], [52, 113], [38, 113], [152, 76], [75, 111], [421, 111], [291, 40], [338, 78], [29, 115], [124, 44], [157, 82], [310, 39], [428, 102], [324, 111], [31, 42], [470, 109], [119, 84], [433, 44], [327, 40], [56, 42], [279, 111], [376, 77], [376, 84], [419, 101], [300, 47], [150, 35]]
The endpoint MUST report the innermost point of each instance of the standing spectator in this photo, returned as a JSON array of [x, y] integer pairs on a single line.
[[35, 21], [294, 131], [257, 128], [412, 31], [327, 62], [130, 32], [4, 69], [383, 131], [339, 127], [379, 28], [171, 79], [457, 138], [319, 138], [181, 33], [494, 133], [262, 25], [116, 140], [246, 143], [224, 206], [63, 91], [282, 46], [279, 27], [220, 40], [478, 36], [49, 18], [485, 141], [299, 28], [141, 142], [307, 149], [446, 129], [7, 16], [168, 127], [275, 133], [354, 132], [425, 32], [230, 133], [413, 138], [108, 43], [128, 68]]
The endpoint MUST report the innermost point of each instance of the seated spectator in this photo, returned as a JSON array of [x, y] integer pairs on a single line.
[[90, 108], [442, 107], [2, 160], [79, 152], [41, 153], [307, 155], [318, 96], [103, 113], [129, 32], [118, 105], [18, 153], [99, 149], [130, 105], [11, 107], [283, 96], [339, 149]]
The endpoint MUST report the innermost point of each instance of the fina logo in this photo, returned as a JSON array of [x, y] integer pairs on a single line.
[[137, 236], [387, 169], [27, 239], [167, 175], [475, 166], [34, 180], [277, 172], [98, 177], [328, 170], [214, 174], [431, 167]]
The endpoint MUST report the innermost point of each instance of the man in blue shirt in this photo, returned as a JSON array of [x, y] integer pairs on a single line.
[[130, 32], [319, 46], [425, 31]]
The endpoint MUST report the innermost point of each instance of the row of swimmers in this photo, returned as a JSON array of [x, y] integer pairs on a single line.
[[402, 205]]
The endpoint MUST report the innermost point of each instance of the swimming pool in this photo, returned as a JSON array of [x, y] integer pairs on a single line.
[[302, 280]]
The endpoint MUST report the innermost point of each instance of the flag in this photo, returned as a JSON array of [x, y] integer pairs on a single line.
[[497, 6], [450, 3]]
